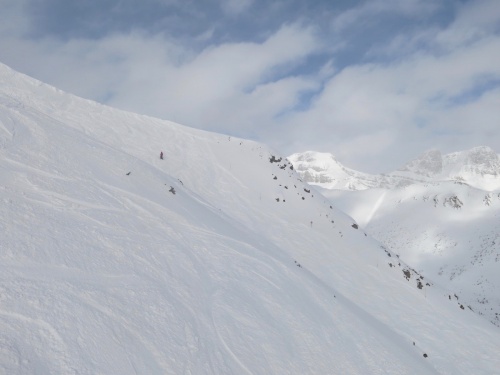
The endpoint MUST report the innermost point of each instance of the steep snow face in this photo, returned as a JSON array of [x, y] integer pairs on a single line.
[[215, 260]]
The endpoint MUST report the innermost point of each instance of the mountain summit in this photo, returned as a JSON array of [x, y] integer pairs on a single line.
[[324, 170], [429, 164], [478, 167], [216, 259]]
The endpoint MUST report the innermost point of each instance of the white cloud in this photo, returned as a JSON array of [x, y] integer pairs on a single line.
[[481, 114], [220, 81], [421, 100], [235, 7], [13, 21], [372, 144], [475, 19], [229, 87], [370, 10]]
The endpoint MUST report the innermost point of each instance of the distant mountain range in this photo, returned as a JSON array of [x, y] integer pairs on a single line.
[[440, 213], [478, 167]]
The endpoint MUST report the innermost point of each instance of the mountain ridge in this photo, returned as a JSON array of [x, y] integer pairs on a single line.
[[215, 260], [479, 167]]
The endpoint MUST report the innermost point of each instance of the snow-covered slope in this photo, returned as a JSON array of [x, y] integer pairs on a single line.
[[215, 260], [440, 214]]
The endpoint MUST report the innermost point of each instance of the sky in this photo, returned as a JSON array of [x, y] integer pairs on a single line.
[[376, 82]]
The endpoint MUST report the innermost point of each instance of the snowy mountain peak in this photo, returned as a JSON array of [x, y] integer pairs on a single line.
[[316, 166], [481, 161], [323, 169], [429, 164], [313, 156], [478, 167]]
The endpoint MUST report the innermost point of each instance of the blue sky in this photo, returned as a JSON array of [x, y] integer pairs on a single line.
[[374, 82]]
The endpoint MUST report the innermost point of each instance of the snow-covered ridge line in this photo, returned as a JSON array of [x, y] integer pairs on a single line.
[[478, 167]]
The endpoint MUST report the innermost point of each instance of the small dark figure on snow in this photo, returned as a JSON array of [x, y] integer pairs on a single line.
[[161, 155]]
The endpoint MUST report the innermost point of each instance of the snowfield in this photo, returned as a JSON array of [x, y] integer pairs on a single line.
[[216, 260]]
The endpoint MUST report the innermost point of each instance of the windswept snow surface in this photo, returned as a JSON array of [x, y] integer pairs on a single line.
[[215, 260]]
